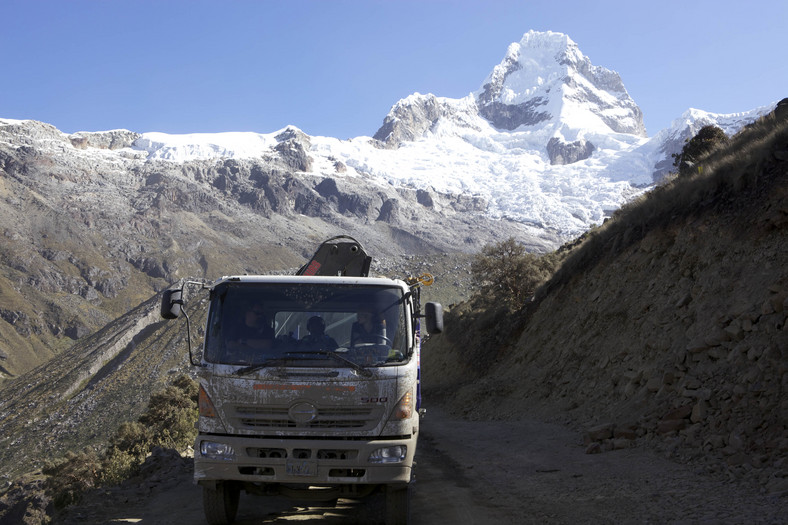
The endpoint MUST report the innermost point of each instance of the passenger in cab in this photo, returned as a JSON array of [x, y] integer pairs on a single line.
[[317, 339]]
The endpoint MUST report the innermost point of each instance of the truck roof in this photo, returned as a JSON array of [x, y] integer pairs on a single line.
[[370, 281]]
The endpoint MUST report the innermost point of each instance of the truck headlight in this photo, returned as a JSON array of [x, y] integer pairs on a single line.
[[214, 450], [393, 454]]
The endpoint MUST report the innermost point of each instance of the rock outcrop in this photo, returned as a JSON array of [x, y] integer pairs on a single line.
[[561, 152], [410, 118]]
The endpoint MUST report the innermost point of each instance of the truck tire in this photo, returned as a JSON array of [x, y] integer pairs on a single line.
[[221, 503], [397, 505]]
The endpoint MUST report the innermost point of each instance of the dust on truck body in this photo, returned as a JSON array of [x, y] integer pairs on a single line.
[[309, 384]]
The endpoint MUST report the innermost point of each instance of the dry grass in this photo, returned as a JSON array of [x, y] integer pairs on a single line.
[[724, 175]]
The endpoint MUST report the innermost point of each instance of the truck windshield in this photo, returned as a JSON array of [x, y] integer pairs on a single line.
[[301, 324]]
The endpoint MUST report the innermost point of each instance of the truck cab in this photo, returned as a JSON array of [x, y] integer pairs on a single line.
[[309, 388]]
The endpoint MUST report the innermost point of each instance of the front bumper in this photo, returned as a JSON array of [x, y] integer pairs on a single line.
[[316, 462]]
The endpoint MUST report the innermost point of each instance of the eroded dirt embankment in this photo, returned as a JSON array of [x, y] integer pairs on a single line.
[[676, 340]]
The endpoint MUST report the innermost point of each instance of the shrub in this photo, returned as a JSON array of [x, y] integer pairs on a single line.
[[69, 478], [704, 142], [506, 274], [167, 422], [171, 414], [127, 449]]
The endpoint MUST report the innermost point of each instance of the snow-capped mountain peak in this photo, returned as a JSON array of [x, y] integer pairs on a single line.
[[545, 79], [529, 65]]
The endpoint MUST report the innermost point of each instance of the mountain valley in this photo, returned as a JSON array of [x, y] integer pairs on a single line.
[[665, 328]]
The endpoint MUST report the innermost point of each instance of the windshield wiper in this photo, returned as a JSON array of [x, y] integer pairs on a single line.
[[252, 368], [353, 364], [281, 360]]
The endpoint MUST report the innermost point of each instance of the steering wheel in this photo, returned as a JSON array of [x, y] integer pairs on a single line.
[[383, 342]]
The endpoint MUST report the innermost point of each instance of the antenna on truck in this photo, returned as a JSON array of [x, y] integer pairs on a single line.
[[340, 255]]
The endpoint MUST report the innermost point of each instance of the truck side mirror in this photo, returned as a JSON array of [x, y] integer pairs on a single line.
[[171, 301], [434, 316]]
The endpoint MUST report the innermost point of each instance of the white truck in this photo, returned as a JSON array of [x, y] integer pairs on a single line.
[[309, 384]]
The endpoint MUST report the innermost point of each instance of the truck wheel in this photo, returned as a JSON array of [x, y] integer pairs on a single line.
[[397, 505], [220, 503]]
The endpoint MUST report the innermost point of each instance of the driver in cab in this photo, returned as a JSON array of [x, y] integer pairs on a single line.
[[368, 336], [250, 338]]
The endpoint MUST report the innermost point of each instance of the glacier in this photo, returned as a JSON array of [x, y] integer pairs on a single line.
[[548, 139]]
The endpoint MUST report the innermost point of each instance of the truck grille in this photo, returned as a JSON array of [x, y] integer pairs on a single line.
[[322, 454], [272, 417]]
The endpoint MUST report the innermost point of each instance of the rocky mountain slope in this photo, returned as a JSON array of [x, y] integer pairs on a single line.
[[88, 234], [104, 379], [666, 327]]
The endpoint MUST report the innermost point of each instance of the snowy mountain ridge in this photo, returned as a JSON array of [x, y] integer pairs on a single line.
[[671, 140], [549, 140]]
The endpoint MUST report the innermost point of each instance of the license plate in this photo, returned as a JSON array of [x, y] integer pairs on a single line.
[[301, 467]]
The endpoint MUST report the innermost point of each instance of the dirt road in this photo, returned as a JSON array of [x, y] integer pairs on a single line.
[[477, 472]]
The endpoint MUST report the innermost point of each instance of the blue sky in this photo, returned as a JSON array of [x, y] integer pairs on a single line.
[[335, 68]]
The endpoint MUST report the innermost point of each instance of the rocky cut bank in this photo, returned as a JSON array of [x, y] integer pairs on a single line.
[[666, 327]]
